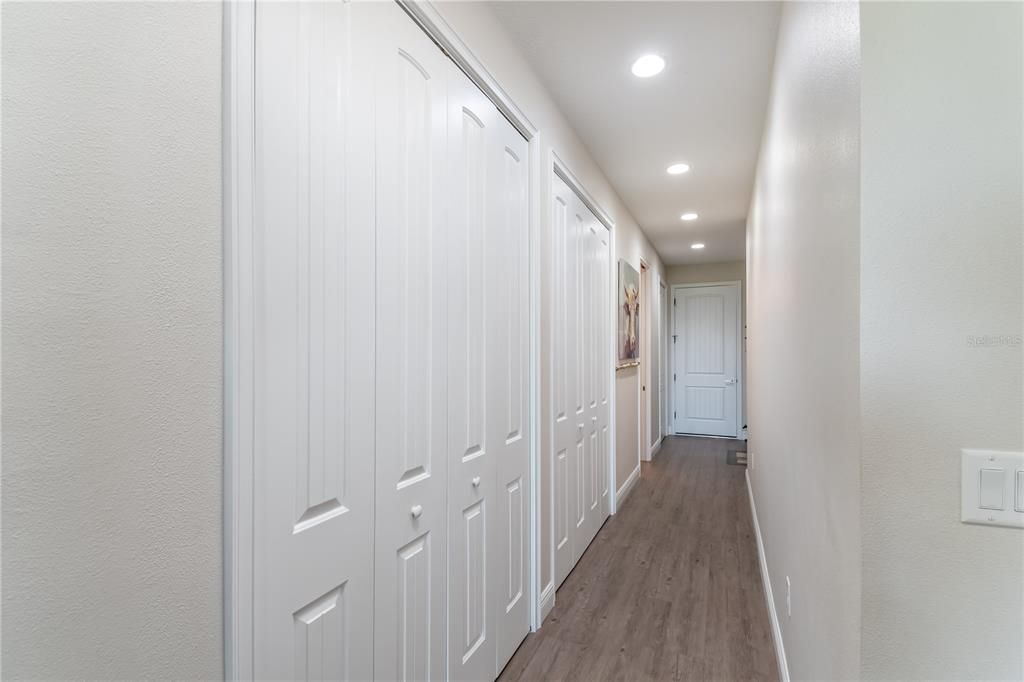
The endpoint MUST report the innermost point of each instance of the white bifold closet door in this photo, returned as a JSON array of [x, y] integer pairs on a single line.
[[390, 355], [488, 613], [452, 358], [413, 305], [310, 261], [580, 337]]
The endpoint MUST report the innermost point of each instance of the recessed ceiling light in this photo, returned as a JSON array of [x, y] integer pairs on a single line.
[[698, 245], [648, 65], [688, 216], [678, 168]]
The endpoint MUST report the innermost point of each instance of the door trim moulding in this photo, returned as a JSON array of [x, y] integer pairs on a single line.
[[440, 31], [644, 373], [741, 374], [238, 156]]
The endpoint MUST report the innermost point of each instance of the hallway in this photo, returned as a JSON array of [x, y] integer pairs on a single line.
[[669, 589]]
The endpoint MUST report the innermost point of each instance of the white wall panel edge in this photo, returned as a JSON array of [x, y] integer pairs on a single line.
[[238, 149]]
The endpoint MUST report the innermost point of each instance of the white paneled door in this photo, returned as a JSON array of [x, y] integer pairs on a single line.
[[508, 386], [580, 339], [412, 311], [488, 613], [706, 359], [312, 276], [389, 268], [472, 487]]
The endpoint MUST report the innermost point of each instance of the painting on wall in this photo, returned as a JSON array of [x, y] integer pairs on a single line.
[[629, 315]]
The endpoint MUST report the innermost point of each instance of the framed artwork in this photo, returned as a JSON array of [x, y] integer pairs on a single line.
[[629, 315]]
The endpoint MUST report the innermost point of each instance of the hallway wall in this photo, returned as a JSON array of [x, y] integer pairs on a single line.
[[477, 25], [942, 188], [802, 338], [112, 340]]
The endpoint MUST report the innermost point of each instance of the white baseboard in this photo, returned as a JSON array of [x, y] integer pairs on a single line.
[[547, 601], [626, 488], [655, 449], [773, 616]]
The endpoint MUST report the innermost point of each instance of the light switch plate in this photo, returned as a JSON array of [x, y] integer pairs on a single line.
[[977, 494]]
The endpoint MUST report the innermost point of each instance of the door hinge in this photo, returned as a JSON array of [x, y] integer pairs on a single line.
[[673, 376], [675, 415]]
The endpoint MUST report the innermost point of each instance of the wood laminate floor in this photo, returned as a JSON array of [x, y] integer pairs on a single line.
[[670, 589]]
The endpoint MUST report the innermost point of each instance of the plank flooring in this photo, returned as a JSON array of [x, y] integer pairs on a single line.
[[670, 589]]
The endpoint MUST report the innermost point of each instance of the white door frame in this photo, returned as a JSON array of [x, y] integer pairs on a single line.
[[644, 371], [739, 351], [663, 369], [238, 193]]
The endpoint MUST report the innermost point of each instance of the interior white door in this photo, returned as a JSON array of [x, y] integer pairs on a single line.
[[564, 368], [390, 272], [412, 426], [488, 614], [313, 369], [472, 457], [580, 309], [508, 385], [706, 334]]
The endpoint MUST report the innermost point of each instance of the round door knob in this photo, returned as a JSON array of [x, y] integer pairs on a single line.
[[416, 511], [476, 481]]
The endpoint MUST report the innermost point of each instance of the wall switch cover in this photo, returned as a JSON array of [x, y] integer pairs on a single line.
[[990, 482]]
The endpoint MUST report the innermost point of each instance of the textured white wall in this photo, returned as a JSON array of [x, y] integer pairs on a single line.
[[111, 340], [941, 193], [483, 33], [802, 338]]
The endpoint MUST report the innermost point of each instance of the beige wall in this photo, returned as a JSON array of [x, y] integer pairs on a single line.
[[942, 191], [111, 341], [479, 28], [707, 272], [802, 339]]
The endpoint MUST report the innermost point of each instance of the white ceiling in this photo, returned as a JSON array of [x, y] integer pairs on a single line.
[[706, 108]]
